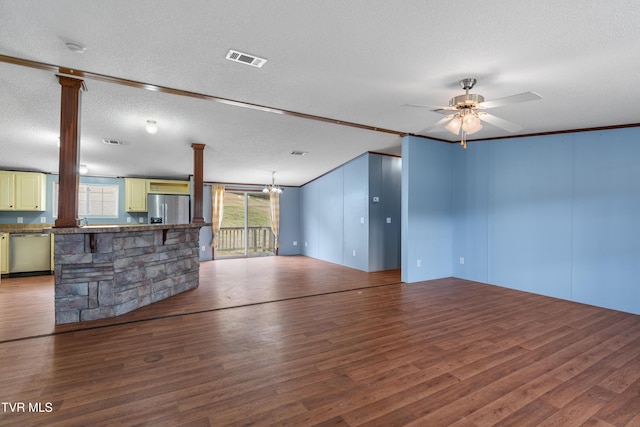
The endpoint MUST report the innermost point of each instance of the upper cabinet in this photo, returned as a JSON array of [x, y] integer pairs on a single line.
[[22, 191], [135, 194], [137, 189], [168, 186]]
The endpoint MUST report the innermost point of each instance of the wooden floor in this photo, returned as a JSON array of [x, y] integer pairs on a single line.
[[441, 353]]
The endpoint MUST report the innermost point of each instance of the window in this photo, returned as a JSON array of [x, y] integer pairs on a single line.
[[94, 200]]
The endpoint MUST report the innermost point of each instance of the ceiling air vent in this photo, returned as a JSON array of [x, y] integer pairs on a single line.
[[299, 153], [245, 58], [110, 141]]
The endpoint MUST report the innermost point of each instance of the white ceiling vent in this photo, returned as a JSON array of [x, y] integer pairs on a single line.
[[110, 141], [245, 58]]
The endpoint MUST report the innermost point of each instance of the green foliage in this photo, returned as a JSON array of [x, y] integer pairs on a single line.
[[259, 210]]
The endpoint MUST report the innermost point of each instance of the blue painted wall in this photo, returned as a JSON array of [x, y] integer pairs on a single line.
[[355, 250], [555, 215], [341, 224], [290, 234], [385, 182], [427, 209]]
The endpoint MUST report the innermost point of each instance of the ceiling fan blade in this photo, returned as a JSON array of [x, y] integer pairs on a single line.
[[436, 124], [513, 99], [498, 122], [433, 107]]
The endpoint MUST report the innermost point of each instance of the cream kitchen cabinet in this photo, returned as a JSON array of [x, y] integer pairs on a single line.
[[22, 191], [4, 253], [135, 190]]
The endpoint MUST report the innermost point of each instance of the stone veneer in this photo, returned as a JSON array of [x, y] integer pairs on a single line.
[[104, 272]]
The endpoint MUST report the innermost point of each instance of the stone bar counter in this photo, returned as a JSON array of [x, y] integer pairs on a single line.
[[106, 271]]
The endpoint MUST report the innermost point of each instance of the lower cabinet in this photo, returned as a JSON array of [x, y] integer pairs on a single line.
[[4, 253]]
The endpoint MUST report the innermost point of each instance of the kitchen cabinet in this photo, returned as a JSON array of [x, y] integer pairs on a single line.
[[22, 191], [53, 240], [168, 186], [135, 190], [7, 190], [4, 253]]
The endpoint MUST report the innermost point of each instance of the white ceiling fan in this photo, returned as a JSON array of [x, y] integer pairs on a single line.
[[465, 115]]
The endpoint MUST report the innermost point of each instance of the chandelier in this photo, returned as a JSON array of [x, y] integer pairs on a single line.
[[273, 188]]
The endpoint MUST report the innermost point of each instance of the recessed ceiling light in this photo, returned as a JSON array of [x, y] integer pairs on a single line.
[[151, 126], [76, 47]]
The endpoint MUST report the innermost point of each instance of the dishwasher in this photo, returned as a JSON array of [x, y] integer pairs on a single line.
[[29, 252]]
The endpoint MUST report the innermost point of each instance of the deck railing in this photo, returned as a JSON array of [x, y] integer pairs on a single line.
[[231, 241]]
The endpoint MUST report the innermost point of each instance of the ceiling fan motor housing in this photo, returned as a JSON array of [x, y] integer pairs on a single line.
[[466, 101]]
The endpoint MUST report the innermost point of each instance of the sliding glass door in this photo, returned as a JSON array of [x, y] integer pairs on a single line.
[[246, 226]]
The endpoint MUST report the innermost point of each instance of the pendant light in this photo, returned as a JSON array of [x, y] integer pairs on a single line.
[[273, 188]]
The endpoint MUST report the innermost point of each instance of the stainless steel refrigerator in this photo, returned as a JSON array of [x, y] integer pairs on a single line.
[[168, 209]]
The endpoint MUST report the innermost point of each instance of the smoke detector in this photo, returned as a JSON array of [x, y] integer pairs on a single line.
[[245, 58]]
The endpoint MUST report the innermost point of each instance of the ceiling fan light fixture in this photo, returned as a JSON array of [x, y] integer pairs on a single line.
[[471, 123], [454, 125]]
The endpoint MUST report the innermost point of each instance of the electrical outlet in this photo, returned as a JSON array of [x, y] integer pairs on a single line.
[[43, 219], [295, 243], [305, 244], [203, 248], [361, 220], [376, 199], [461, 260], [419, 263], [129, 219], [354, 252], [20, 220], [141, 220], [388, 220]]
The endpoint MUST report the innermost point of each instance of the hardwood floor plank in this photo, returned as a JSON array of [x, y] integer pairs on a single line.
[[579, 410], [307, 343], [530, 415], [622, 408], [496, 411]]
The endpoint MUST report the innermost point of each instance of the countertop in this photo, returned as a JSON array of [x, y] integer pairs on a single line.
[[24, 228], [119, 228], [98, 228]]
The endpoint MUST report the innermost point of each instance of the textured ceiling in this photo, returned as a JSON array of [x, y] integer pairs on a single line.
[[355, 61]]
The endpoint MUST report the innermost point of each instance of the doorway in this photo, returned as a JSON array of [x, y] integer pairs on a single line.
[[246, 226]]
